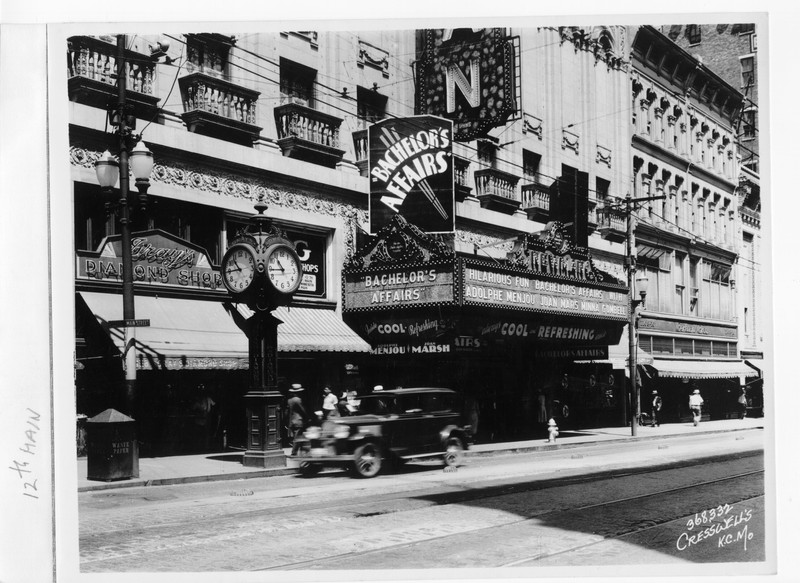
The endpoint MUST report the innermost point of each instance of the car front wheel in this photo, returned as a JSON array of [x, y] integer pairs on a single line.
[[367, 460], [454, 452]]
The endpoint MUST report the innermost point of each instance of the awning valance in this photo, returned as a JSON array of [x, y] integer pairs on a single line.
[[706, 369], [198, 334]]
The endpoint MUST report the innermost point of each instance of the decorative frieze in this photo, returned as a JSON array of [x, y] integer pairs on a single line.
[[231, 185], [570, 140], [477, 240], [603, 156], [371, 56], [532, 124]]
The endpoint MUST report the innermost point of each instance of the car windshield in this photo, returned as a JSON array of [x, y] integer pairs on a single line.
[[376, 405]]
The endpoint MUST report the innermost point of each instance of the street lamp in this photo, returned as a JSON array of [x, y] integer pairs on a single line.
[[133, 157]]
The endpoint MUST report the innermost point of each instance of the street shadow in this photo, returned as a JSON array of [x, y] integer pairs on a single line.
[[640, 508]]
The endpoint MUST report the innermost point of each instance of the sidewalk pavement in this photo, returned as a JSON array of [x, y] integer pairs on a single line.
[[159, 471]]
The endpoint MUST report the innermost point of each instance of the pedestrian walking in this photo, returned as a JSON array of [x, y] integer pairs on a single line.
[[341, 405], [297, 414], [655, 408], [329, 402], [743, 404], [696, 406]]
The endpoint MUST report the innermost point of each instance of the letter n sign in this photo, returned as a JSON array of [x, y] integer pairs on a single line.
[[468, 76]]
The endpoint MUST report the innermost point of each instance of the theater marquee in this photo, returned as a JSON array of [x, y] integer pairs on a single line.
[[485, 284]]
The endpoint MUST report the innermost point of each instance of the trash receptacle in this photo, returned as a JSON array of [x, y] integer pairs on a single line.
[[112, 450]]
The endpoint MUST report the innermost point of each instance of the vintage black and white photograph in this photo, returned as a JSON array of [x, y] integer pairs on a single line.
[[391, 300]]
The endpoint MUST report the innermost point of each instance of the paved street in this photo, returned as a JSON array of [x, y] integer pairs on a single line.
[[645, 502]]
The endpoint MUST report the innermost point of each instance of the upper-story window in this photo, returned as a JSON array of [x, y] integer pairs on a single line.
[[530, 165], [693, 34], [297, 83], [371, 106], [487, 152], [748, 131], [748, 71], [207, 55]]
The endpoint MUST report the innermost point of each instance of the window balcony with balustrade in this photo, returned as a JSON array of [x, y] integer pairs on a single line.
[[92, 68], [497, 190], [307, 134], [218, 108], [612, 223], [536, 201]]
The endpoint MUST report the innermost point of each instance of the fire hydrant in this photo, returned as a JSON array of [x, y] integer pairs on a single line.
[[552, 431]]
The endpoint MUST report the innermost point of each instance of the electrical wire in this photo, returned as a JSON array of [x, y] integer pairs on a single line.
[[337, 94]]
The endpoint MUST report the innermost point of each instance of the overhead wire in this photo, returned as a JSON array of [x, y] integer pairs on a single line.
[[339, 95]]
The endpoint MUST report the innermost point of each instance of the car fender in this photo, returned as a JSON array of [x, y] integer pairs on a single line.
[[455, 431]]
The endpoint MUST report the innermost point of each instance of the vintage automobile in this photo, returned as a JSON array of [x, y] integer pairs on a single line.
[[389, 426]]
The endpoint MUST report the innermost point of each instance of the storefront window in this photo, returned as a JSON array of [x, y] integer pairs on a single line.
[[198, 224], [92, 222], [662, 345], [684, 347], [702, 347]]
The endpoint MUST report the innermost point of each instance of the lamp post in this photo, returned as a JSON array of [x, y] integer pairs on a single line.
[[108, 170]]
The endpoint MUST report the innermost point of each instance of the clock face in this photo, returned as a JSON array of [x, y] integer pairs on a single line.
[[283, 269], [238, 269]]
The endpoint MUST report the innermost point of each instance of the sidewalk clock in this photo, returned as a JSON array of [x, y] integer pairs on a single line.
[[263, 271]]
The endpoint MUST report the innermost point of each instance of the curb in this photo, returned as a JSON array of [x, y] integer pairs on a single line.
[[266, 473], [556, 446]]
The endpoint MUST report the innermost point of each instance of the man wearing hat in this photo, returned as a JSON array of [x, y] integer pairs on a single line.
[[297, 413], [656, 408], [695, 405]]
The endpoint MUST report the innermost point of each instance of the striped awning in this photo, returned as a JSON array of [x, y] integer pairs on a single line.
[[312, 330], [703, 369]]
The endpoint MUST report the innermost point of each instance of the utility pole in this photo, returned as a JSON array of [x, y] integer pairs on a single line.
[[630, 268]]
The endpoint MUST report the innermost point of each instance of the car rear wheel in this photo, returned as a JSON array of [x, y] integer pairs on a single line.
[[307, 468], [367, 460], [454, 451]]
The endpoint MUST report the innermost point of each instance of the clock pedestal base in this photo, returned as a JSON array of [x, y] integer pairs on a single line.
[[263, 435]]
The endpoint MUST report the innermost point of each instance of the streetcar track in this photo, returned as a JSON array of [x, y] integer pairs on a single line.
[[454, 494], [320, 562]]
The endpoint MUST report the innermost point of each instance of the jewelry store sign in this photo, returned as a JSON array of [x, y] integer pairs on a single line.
[[400, 287], [158, 259], [486, 285]]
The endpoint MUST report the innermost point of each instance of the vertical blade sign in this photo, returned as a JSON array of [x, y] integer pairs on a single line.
[[411, 173]]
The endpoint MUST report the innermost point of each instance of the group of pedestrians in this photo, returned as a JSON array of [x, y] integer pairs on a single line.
[[695, 406]]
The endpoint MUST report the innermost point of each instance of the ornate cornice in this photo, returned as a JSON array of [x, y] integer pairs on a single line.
[[230, 185], [478, 239]]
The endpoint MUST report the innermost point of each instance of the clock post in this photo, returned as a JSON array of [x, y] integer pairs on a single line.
[[262, 270]]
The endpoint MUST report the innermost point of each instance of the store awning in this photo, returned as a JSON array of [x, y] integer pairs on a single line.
[[183, 334], [694, 369], [312, 330], [198, 334]]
